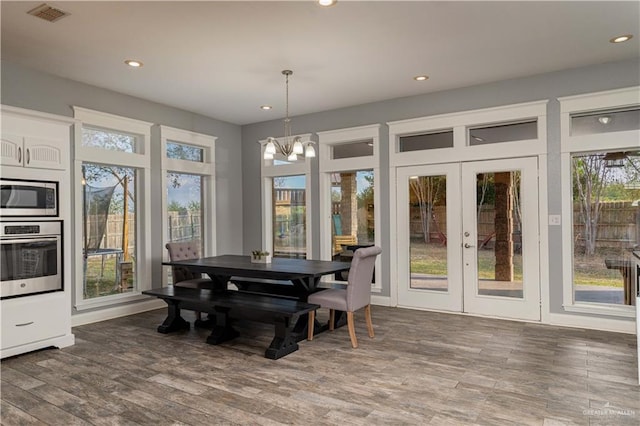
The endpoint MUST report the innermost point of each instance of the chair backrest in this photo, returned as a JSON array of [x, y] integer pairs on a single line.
[[360, 273], [183, 251]]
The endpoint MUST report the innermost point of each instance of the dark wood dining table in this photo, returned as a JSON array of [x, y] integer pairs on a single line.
[[302, 276]]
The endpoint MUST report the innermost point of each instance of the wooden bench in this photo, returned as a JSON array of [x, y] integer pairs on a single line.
[[225, 305]]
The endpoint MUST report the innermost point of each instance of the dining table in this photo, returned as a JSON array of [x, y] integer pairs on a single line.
[[292, 277]]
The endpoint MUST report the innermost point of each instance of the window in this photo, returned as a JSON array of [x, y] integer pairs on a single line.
[[349, 200], [111, 170], [601, 198], [354, 149], [289, 216], [507, 132], [426, 141], [188, 196], [286, 206]]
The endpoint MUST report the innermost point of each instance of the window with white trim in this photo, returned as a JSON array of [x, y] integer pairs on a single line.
[[601, 200], [111, 169], [349, 161], [286, 205], [188, 196]]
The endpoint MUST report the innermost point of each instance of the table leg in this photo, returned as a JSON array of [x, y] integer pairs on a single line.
[[174, 321], [284, 341], [222, 331]]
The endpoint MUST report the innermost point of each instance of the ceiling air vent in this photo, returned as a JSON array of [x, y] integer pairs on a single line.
[[48, 13]]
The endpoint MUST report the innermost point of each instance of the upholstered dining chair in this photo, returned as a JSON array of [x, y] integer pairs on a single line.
[[357, 295], [182, 277]]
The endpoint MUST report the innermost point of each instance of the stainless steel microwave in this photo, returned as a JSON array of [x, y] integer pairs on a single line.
[[28, 198]]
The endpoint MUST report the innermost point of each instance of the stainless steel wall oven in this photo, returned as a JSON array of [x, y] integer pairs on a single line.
[[30, 258]]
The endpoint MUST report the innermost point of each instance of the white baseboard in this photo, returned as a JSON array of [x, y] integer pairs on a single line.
[[380, 300], [116, 312], [593, 323]]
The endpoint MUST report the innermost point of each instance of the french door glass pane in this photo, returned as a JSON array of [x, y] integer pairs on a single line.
[[289, 217], [427, 230], [109, 229], [499, 237], [184, 212], [606, 225]]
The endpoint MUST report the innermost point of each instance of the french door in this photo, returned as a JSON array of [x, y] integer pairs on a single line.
[[468, 237]]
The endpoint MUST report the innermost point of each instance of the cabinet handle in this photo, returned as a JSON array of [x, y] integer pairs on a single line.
[[23, 324], [19, 155], [28, 156]]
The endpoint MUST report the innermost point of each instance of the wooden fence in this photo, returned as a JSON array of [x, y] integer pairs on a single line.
[[182, 226], [619, 224]]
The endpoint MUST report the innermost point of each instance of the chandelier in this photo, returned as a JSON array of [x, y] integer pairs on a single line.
[[288, 146]]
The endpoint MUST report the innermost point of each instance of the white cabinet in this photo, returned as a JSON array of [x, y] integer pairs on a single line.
[[34, 140], [35, 322], [37, 146], [33, 152]]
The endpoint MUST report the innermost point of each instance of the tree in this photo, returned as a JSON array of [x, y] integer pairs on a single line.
[[590, 176], [427, 190]]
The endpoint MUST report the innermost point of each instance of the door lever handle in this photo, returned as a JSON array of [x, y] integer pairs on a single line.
[[467, 245]]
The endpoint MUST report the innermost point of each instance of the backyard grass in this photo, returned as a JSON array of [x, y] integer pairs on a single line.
[[102, 282], [432, 259]]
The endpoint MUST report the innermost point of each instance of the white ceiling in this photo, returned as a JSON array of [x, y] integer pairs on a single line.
[[223, 59]]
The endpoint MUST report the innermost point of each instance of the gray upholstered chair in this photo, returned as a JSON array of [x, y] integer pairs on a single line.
[[357, 295], [182, 277]]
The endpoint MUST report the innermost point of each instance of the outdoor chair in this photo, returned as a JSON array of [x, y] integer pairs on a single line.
[[182, 277], [357, 295]]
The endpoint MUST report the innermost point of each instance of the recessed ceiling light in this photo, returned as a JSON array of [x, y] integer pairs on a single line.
[[421, 77], [621, 39], [327, 3], [133, 63], [265, 107]]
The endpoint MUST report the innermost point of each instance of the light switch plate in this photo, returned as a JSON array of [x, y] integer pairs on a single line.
[[555, 219]]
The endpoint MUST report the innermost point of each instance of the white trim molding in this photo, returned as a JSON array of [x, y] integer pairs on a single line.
[[327, 165]]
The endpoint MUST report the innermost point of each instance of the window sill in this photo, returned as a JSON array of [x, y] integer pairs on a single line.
[[101, 302]]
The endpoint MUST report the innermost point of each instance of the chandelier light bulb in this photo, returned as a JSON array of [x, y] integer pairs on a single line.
[[309, 151], [297, 147], [292, 157], [268, 156], [270, 148]]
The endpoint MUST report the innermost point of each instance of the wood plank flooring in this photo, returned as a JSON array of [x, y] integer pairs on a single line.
[[421, 368]]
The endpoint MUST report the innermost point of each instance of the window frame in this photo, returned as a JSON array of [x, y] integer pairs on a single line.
[[139, 160], [327, 165], [630, 139], [204, 169], [269, 171]]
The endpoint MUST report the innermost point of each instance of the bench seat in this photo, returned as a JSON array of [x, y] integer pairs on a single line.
[[225, 305]]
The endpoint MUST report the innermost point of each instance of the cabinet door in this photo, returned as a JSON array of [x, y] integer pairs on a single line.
[[43, 154], [11, 153]]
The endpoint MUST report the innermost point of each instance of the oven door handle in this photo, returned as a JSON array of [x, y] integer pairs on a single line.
[[30, 240]]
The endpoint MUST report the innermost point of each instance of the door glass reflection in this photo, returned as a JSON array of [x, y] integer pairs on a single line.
[[499, 245], [427, 230]]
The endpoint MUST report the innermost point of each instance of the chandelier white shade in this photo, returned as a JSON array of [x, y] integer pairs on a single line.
[[288, 145]]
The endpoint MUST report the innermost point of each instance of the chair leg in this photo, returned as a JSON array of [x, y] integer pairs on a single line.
[[367, 314], [352, 330], [198, 316], [312, 320], [332, 319]]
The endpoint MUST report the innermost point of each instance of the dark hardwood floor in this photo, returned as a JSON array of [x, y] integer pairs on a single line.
[[421, 368]]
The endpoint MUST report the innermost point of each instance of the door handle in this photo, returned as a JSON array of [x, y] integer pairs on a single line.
[[19, 155], [467, 245], [28, 156]]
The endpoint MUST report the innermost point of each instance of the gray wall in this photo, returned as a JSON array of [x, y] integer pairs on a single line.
[[26, 88], [539, 87]]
